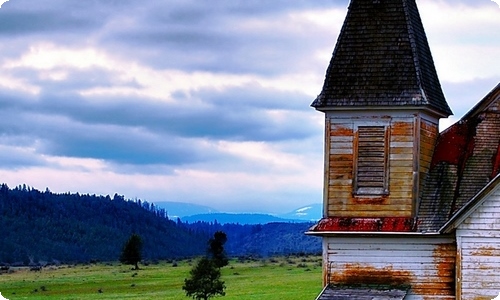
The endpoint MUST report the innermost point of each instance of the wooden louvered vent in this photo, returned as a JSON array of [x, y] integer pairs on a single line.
[[371, 163]]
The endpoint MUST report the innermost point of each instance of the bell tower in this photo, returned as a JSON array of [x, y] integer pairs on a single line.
[[382, 102]]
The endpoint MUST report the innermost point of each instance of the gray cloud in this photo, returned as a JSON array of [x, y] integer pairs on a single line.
[[137, 131], [208, 36], [15, 23], [191, 128], [12, 158]]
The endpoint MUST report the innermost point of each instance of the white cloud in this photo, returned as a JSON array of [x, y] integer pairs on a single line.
[[463, 39], [49, 56], [54, 62], [12, 83]]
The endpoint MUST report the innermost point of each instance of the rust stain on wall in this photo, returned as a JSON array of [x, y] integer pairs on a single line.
[[376, 200], [402, 128], [484, 251], [357, 273], [340, 131], [458, 274], [444, 259]]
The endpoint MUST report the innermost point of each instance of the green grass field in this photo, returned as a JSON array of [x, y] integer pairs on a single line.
[[296, 278]]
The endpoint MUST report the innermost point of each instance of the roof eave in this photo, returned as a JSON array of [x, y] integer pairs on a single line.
[[372, 233], [432, 111]]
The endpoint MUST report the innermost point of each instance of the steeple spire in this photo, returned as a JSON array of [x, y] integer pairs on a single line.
[[382, 59]]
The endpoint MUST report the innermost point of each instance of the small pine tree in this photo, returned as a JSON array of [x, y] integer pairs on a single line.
[[204, 282], [131, 252]]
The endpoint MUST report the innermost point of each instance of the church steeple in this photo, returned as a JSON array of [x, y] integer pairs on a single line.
[[382, 102], [382, 59]]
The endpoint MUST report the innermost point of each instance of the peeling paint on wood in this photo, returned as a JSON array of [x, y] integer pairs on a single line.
[[340, 130], [341, 193], [402, 128], [357, 273], [478, 239], [427, 265]]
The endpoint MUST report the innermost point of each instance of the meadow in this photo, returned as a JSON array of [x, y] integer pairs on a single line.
[[277, 278]]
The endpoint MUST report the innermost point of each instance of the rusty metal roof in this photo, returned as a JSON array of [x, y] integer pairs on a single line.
[[382, 58], [466, 159], [365, 224], [362, 292]]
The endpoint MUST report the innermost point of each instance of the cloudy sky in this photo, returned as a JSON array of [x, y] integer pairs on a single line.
[[195, 101]]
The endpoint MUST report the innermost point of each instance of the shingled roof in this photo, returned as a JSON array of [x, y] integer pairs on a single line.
[[466, 159], [382, 58], [362, 292]]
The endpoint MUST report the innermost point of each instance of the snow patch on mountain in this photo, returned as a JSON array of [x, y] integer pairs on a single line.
[[303, 211], [310, 212]]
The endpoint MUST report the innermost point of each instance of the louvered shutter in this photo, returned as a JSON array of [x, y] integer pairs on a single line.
[[371, 163]]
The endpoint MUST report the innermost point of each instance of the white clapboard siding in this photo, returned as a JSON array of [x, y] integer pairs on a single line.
[[478, 239], [426, 264]]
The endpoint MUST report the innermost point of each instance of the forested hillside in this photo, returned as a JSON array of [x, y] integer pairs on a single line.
[[40, 226], [43, 226], [264, 240]]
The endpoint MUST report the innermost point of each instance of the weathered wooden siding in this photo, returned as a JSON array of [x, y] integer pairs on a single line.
[[341, 199], [429, 131], [426, 264], [478, 239]]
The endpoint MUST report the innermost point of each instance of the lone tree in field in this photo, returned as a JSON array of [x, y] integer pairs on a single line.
[[216, 249], [131, 252], [205, 282]]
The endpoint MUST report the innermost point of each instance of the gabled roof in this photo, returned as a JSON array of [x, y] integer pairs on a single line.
[[465, 165], [465, 211], [382, 58]]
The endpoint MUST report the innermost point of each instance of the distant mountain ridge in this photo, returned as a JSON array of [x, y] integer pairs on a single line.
[[244, 219], [189, 212], [41, 227], [183, 209]]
